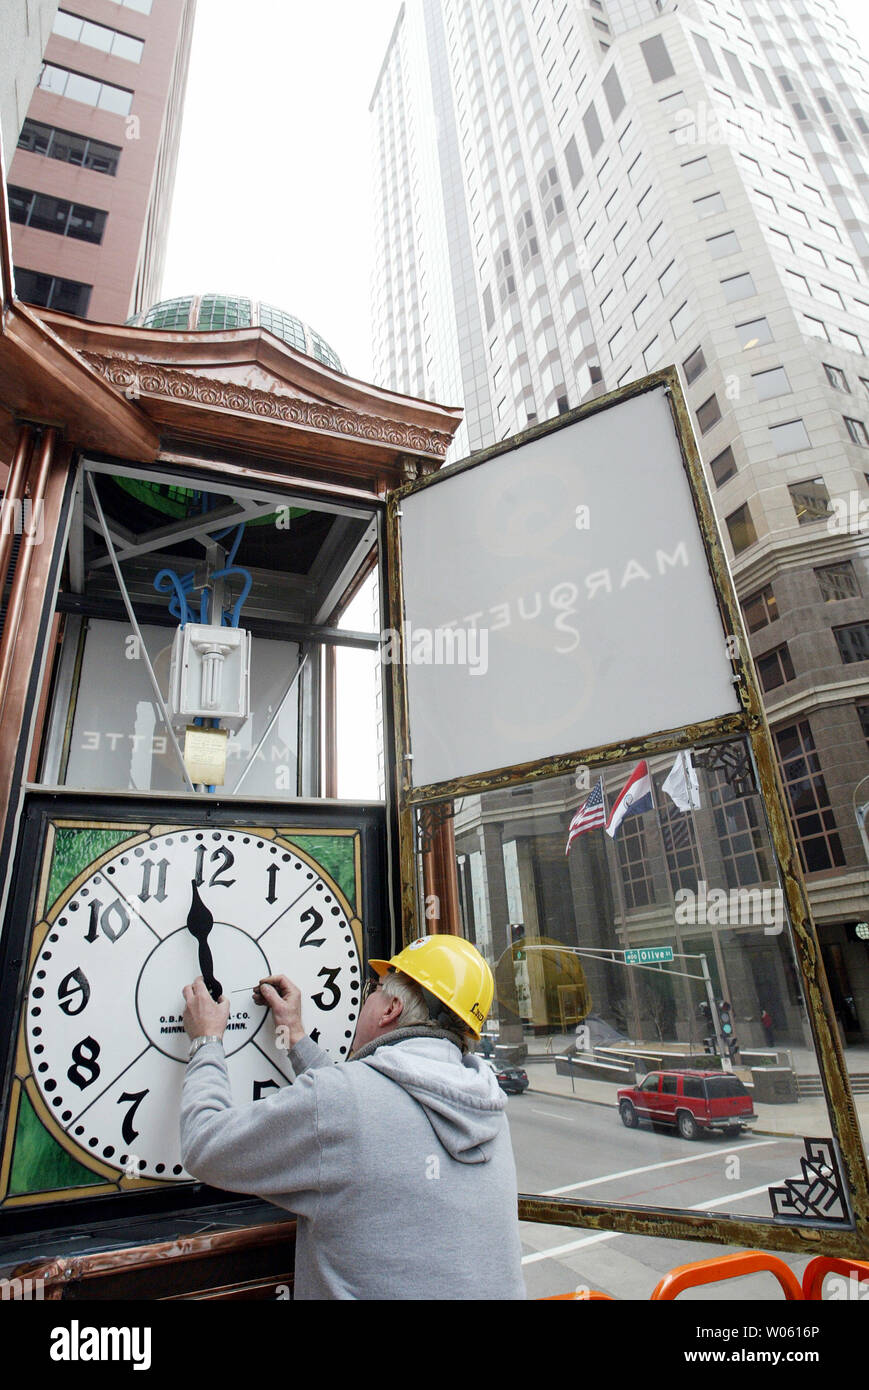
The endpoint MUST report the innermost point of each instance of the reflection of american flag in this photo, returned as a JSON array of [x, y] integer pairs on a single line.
[[591, 813]]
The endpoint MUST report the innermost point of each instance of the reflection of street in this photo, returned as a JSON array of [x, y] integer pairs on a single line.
[[568, 1148]]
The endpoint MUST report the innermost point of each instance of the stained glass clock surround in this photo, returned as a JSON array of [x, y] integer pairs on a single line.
[[92, 1104]]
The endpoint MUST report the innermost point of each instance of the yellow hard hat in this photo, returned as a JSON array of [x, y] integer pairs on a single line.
[[452, 970]]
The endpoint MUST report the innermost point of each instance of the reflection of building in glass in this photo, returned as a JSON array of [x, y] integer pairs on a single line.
[[570, 197], [697, 881]]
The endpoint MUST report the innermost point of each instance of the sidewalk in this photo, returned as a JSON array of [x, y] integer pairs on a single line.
[[802, 1119]]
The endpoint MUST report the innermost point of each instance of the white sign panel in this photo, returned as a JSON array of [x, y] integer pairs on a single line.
[[557, 598]]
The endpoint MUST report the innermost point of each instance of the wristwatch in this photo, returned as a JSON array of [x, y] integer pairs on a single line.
[[201, 1041]]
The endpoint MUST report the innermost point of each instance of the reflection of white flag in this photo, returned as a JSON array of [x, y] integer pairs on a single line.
[[681, 785]]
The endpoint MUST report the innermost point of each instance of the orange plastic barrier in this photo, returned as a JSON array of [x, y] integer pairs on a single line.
[[817, 1270], [728, 1267]]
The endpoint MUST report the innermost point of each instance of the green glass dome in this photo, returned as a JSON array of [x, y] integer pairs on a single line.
[[211, 313]]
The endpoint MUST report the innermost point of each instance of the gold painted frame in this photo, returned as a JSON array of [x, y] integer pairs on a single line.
[[848, 1238]]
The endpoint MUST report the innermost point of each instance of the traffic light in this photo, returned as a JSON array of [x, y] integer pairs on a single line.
[[705, 1011], [710, 1045], [726, 1018]]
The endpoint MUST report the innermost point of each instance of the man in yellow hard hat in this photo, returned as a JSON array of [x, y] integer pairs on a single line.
[[398, 1162]]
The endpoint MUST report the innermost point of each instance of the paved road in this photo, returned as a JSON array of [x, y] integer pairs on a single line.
[[565, 1147]]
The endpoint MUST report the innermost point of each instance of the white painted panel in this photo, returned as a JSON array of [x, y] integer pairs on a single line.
[[574, 636]]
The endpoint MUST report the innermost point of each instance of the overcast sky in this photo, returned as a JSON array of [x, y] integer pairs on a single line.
[[273, 195]]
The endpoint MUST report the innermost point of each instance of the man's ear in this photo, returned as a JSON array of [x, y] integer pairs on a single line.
[[393, 1012]]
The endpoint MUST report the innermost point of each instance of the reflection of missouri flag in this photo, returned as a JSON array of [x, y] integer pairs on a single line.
[[635, 795]]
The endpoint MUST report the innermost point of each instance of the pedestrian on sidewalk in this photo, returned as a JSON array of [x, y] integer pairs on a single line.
[[766, 1023], [397, 1163]]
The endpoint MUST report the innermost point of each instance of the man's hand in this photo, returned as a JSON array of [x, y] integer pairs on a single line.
[[204, 1017], [285, 1001]]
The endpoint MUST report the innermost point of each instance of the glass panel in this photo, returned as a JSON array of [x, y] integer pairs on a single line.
[[80, 88], [233, 566], [115, 99], [599, 994]]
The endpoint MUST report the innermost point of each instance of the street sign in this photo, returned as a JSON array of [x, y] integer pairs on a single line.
[[649, 955]]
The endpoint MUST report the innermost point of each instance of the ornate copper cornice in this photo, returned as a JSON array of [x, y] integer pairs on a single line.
[[148, 379]]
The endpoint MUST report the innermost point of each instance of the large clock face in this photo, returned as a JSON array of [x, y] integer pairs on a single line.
[[105, 1039]]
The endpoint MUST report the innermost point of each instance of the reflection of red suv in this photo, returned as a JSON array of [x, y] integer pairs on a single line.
[[689, 1100]]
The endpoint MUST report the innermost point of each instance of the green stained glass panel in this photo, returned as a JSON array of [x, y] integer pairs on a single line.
[[336, 855], [74, 849], [39, 1164]]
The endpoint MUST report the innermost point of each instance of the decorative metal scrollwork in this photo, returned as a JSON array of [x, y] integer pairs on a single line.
[[429, 821], [818, 1192], [731, 759]]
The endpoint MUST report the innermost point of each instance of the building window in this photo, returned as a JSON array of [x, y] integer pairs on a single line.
[[727, 244], [709, 206], [856, 431], [69, 148], [73, 26], [741, 832], [573, 161], [790, 436], [51, 292], [657, 59], [853, 642], [738, 287], [704, 48], [753, 333], [760, 609], [775, 668], [593, 132], [810, 499], [836, 377], [694, 365], [849, 340], [612, 90], [652, 353], [77, 87], [837, 581], [681, 319], [708, 414], [741, 529], [723, 466], [813, 820], [696, 168], [667, 279], [56, 215], [863, 716], [815, 328], [679, 840], [737, 70], [771, 383], [634, 863]]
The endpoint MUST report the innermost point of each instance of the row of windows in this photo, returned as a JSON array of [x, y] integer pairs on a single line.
[[78, 87], [58, 215], [810, 499], [69, 148], [776, 668], [80, 30], [52, 292], [738, 824]]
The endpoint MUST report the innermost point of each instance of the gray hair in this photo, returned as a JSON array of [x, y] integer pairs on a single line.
[[415, 1011]]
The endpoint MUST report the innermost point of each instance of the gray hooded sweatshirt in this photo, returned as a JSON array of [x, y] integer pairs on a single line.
[[398, 1166]]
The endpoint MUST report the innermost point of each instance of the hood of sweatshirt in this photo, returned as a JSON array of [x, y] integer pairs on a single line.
[[459, 1094]]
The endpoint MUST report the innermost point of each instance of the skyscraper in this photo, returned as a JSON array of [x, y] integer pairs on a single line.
[[90, 182], [571, 195]]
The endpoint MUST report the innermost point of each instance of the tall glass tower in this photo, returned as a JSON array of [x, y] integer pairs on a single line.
[[572, 193]]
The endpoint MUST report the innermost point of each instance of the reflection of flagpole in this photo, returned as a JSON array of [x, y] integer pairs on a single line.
[[701, 864], [677, 935], [632, 984]]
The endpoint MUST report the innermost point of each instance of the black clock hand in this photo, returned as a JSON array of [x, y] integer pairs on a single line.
[[199, 924]]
